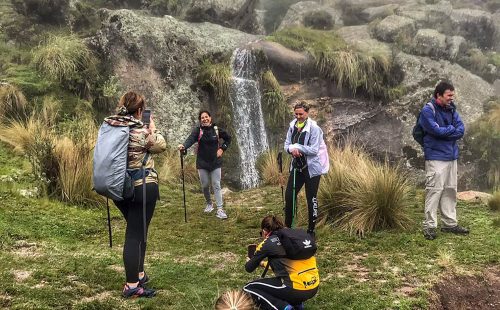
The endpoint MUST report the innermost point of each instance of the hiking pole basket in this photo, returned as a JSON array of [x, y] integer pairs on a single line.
[[182, 153]]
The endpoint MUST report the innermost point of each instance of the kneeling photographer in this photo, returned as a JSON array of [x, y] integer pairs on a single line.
[[296, 280]]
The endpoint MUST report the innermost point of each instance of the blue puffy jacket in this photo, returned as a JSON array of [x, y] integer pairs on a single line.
[[442, 130]]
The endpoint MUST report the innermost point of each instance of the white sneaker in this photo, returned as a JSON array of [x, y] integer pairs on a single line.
[[221, 214], [209, 208]]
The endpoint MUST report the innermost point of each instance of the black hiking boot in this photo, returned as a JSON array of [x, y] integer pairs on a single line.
[[459, 230], [430, 233], [144, 280], [137, 292]]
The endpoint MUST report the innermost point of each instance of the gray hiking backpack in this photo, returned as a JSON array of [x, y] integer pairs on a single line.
[[110, 163]]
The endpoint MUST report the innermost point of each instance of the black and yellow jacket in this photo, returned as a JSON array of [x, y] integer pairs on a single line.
[[298, 274]]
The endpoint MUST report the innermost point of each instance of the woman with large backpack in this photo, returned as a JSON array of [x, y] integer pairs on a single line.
[[295, 281], [143, 141], [209, 158]]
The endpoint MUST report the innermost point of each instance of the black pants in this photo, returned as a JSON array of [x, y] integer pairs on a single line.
[[312, 185], [272, 294], [134, 248]]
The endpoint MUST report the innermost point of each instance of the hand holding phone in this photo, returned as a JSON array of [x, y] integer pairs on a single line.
[[251, 250], [146, 117]]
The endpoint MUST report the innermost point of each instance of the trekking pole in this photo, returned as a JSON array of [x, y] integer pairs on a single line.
[[280, 164], [182, 153], [294, 201], [109, 224]]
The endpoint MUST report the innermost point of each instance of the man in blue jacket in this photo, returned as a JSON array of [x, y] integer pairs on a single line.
[[443, 128]]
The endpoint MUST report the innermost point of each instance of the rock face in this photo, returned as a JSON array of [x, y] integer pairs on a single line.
[[297, 12], [475, 25], [238, 14], [157, 57], [429, 42], [370, 14], [392, 26]]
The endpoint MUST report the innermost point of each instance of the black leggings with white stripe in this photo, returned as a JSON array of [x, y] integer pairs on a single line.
[[272, 294]]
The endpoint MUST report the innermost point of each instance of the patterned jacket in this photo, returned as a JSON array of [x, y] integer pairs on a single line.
[[141, 142]]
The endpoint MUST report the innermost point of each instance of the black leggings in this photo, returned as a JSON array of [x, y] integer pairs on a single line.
[[271, 293], [312, 185], [134, 248]]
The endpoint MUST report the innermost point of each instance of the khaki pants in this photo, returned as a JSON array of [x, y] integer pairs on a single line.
[[440, 192]]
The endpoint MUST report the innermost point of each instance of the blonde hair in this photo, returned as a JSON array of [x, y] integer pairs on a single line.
[[234, 300]]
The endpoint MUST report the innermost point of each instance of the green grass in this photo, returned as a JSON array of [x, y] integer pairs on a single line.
[[61, 259]]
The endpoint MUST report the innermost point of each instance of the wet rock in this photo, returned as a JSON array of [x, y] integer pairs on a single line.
[[360, 37], [474, 25]]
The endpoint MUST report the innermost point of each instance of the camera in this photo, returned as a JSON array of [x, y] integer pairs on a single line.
[[146, 117], [251, 250]]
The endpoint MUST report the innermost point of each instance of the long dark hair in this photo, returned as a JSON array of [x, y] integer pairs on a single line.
[[201, 112], [272, 223]]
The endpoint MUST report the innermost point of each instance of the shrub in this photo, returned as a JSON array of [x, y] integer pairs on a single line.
[[46, 11], [275, 109], [268, 167], [169, 168], [494, 202], [319, 20], [361, 195], [217, 77], [373, 73], [73, 150], [68, 60], [484, 140], [13, 104], [61, 159]]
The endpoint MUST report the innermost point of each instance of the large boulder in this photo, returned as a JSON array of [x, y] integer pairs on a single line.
[[393, 26], [286, 64], [429, 16], [359, 36], [298, 12], [372, 13], [158, 56], [238, 14], [429, 42], [475, 25]]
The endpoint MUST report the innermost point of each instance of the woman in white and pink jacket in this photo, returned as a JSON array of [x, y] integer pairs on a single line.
[[304, 141]]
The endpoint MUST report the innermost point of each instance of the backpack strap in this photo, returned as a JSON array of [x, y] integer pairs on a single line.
[[432, 107]]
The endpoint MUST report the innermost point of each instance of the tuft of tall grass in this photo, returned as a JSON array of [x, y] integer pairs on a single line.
[[494, 202], [275, 107], [61, 158], [234, 300], [61, 58], [217, 76], [169, 168], [335, 60], [361, 195], [73, 150], [268, 167], [485, 142], [13, 103]]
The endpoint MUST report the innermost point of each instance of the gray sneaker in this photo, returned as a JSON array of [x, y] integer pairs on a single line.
[[459, 230], [430, 233], [221, 214], [209, 208]]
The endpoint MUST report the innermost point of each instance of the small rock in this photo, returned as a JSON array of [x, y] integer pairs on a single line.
[[474, 196]]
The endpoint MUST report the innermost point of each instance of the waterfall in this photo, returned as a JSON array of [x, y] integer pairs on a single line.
[[248, 119]]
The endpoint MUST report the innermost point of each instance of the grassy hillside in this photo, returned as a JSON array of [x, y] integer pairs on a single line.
[[56, 256]]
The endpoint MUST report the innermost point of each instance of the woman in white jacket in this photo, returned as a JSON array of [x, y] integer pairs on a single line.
[[304, 141]]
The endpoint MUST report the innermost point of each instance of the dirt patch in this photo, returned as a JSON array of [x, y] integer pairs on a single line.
[[26, 249], [21, 275], [468, 292]]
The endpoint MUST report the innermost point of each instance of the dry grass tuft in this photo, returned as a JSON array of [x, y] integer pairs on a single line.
[[234, 300], [169, 168], [494, 202], [269, 169], [13, 103], [361, 195]]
